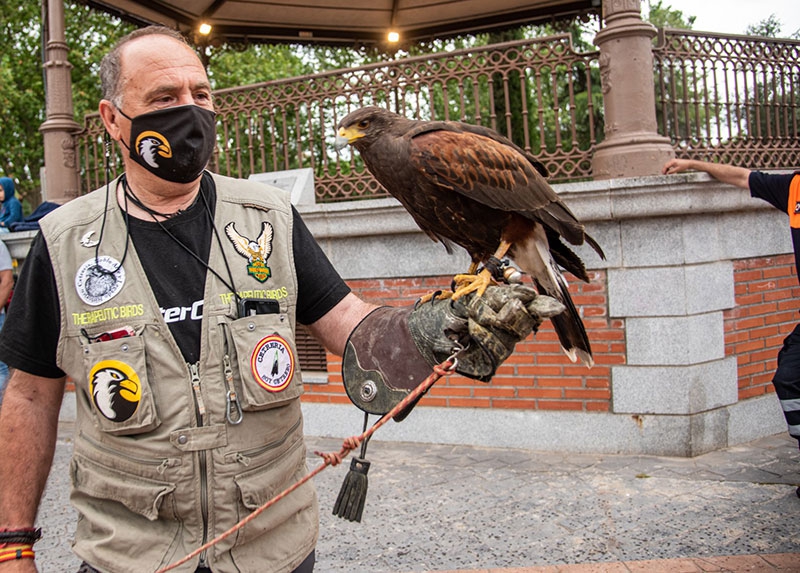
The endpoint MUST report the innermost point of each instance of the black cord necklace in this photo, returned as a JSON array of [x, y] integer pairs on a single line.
[[97, 264], [129, 194], [134, 199]]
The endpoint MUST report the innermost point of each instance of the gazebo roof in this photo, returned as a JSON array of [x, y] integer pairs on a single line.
[[338, 22]]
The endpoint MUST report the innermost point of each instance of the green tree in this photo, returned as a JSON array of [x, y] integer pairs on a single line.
[[769, 27], [662, 16], [22, 97]]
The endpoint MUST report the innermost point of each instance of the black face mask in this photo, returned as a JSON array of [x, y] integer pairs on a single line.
[[175, 143]]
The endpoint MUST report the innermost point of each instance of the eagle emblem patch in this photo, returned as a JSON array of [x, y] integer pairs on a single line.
[[151, 145], [115, 389], [256, 252]]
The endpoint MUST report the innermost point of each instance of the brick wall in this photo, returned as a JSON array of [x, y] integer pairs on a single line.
[[538, 376], [767, 301]]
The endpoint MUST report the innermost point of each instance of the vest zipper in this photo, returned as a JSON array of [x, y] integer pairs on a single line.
[[199, 405], [245, 456], [200, 412], [233, 408]]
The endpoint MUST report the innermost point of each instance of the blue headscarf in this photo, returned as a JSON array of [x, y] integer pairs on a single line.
[[8, 186], [11, 211]]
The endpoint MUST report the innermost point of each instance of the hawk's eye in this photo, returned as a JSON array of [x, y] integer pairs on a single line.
[[364, 123]]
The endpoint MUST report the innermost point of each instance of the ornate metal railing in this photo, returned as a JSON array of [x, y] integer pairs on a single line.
[[733, 99], [727, 98], [540, 92]]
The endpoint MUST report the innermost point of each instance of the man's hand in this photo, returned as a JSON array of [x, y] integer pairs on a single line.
[[481, 331], [731, 174]]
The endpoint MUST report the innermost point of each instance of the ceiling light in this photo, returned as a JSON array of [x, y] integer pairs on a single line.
[[393, 37], [205, 28]]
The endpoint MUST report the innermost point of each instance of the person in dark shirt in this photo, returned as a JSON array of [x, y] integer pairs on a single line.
[[782, 191], [169, 297]]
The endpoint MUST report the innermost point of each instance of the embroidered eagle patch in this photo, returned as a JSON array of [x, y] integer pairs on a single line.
[[256, 252]]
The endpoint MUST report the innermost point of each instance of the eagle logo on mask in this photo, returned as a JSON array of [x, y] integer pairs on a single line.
[[150, 144], [115, 390], [256, 252]]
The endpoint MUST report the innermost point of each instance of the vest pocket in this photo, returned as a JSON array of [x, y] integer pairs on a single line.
[[106, 498], [117, 386], [266, 360], [258, 485]]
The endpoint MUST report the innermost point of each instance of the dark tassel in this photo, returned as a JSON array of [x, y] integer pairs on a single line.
[[350, 503]]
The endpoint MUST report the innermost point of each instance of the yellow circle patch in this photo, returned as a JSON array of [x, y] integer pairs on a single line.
[[115, 389]]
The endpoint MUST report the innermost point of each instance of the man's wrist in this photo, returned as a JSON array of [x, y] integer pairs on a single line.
[[21, 535]]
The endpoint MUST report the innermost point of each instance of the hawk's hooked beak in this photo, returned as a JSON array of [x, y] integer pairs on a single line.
[[346, 136]]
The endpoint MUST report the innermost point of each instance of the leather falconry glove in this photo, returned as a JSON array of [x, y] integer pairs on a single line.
[[393, 349]]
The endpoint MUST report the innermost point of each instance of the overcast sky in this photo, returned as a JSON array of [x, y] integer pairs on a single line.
[[734, 16]]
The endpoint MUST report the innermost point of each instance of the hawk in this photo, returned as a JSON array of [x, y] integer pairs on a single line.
[[470, 186]]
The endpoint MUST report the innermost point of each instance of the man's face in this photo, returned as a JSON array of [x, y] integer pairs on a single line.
[[159, 72], [2, 194]]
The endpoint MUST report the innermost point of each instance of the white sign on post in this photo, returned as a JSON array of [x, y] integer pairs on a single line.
[[298, 182]]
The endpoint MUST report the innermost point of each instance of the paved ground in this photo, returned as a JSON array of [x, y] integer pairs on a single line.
[[456, 508]]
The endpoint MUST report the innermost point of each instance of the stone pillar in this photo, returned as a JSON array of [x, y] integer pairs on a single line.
[[60, 181], [632, 146]]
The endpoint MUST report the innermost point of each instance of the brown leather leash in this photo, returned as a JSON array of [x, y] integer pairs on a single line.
[[329, 459]]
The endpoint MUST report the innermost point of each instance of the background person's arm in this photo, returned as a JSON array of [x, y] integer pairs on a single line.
[[738, 176]]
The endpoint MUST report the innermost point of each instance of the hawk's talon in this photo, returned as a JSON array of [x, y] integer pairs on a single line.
[[431, 296], [472, 283]]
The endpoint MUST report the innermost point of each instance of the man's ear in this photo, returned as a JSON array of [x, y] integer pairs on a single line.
[[110, 116]]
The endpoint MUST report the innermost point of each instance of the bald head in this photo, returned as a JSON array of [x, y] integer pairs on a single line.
[[111, 65]]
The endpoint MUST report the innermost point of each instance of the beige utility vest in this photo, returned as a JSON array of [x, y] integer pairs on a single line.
[[164, 459]]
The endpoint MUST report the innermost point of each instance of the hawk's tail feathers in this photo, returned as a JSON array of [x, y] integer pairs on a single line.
[[570, 330], [534, 256], [569, 325]]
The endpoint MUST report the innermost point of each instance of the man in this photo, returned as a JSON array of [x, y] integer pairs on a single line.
[[783, 192], [188, 410]]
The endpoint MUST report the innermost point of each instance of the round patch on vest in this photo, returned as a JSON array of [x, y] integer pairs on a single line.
[[115, 389], [272, 363], [99, 280]]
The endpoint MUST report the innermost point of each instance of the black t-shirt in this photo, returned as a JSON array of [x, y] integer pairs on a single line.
[[30, 334], [774, 189]]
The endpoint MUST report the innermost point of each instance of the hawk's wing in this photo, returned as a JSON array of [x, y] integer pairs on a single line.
[[265, 240], [492, 173], [240, 243]]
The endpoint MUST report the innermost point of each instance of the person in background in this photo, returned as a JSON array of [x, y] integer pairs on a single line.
[[782, 191], [6, 285], [11, 211]]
